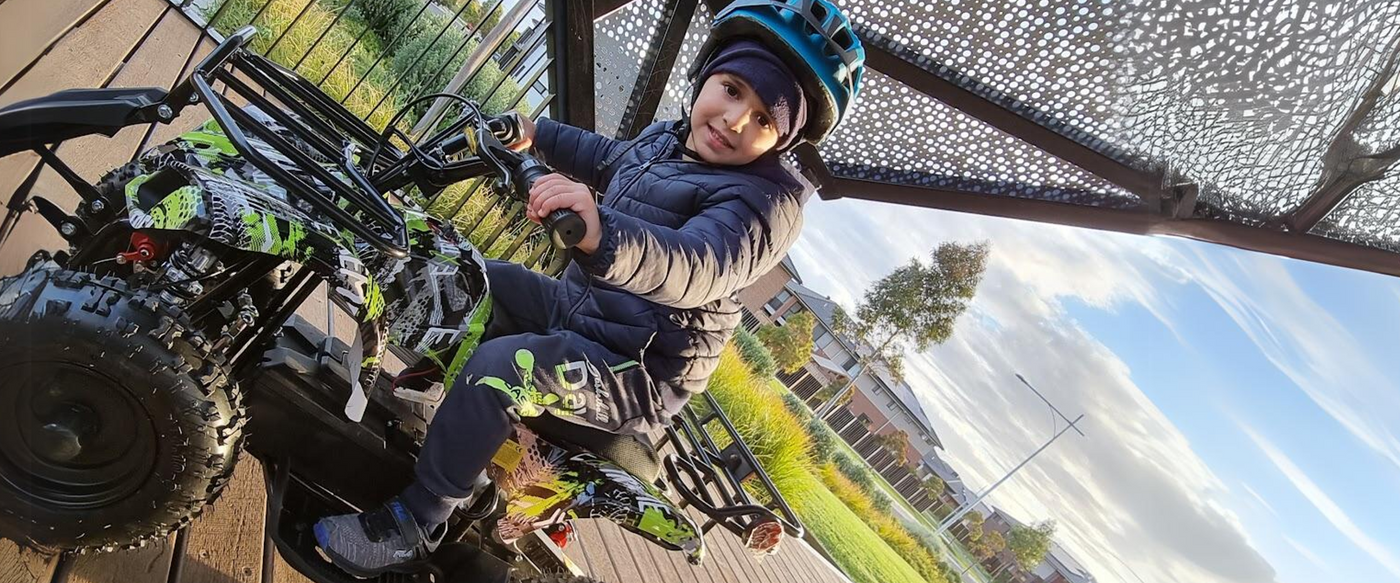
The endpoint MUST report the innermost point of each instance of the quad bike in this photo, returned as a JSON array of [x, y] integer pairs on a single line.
[[135, 364]]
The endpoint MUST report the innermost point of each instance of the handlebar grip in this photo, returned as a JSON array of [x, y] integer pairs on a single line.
[[564, 226]]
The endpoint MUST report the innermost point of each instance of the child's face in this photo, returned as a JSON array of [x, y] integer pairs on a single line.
[[729, 124]]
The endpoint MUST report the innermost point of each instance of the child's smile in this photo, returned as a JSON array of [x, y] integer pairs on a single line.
[[729, 124]]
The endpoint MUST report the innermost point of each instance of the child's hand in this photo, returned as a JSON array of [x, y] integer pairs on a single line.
[[553, 192]]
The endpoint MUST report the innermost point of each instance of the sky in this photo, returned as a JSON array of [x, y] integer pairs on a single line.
[[1242, 410]]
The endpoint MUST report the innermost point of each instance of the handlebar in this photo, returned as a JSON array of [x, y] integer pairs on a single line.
[[564, 226]]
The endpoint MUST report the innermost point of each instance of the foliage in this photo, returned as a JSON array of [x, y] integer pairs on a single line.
[[791, 343], [890, 530], [1030, 543], [915, 305], [337, 57], [932, 485], [388, 18], [824, 444], [776, 437], [758, 357], [896, 443], [973, 522]]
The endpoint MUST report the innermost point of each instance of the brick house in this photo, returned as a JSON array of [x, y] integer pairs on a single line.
[[879, 406], [1058, 566]]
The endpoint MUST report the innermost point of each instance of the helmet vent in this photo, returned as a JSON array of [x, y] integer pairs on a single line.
[[843, 38]]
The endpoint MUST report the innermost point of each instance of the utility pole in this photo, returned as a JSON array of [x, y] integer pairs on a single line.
[[961, 512]]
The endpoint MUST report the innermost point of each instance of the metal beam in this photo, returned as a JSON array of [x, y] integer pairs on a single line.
[[602, 8], [1343, 170], [893, 59], [573, 72], [656, 68], [1139, 222]]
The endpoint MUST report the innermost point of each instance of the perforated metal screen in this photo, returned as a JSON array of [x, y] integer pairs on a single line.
[[1255, 103], [1247, 99]]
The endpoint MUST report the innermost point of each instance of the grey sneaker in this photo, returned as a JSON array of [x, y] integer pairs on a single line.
[[385, 539]]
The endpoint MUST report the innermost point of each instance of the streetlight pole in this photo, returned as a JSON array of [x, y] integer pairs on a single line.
[[966, 508], [956, 516]]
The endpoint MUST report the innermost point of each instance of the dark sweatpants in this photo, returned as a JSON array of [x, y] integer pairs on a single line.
[[530, 364]]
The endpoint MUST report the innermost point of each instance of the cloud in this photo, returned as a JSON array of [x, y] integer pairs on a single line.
[[1259, 499], [1134, 488], [1307, 344], [1324, 503], [1306, 553]]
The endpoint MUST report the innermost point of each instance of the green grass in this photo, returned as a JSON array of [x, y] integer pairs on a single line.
[[279, 15], [858, 537], [856, 548]]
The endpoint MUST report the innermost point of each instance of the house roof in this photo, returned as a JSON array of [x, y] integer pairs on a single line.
[[825, 309], [821, 306], [791, 268], [1067, 565]]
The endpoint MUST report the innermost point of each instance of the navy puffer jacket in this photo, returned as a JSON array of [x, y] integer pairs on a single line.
[[679, 238]]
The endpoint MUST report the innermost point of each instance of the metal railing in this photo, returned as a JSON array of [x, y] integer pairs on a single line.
[[374, 56]]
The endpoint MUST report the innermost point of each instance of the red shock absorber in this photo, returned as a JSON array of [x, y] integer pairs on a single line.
[[143, 249]]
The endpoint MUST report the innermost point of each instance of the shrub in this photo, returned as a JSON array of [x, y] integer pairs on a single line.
[[387, 18], [775, 436], [759, 359], [824, 444]]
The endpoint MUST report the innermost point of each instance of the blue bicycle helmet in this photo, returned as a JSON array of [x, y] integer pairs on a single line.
[[815, 40]]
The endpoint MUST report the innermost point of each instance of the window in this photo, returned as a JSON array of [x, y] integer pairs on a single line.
[[850, 364], [818, 332], [777, 301]]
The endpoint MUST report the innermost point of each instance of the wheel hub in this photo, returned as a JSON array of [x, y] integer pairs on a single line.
[[71, 437]]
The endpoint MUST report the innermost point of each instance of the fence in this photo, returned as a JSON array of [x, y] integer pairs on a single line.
[[375, 56]]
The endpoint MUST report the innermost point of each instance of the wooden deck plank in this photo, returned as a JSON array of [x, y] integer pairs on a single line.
[[618, 555], [623, 547], [85, 57], [226, 542], [724, 564], [193, 116], [149, 564], [284, 573], [745, 560], [30, 27], [574, 550], [21, 566], [661, 559], [595, 548]]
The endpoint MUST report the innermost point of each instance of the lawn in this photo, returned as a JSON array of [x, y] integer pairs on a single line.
[[857, 550]]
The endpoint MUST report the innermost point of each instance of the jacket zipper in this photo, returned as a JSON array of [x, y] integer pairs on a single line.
[[588, 289]]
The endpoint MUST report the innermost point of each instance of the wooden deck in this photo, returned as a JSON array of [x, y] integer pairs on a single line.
[[46, 46]]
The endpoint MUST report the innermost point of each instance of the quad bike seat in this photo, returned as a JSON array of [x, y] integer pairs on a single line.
[[634, 453], [72, 113]]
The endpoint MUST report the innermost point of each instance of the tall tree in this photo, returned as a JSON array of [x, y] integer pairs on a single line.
[[915, 306], [791, 343], [1030, 543]]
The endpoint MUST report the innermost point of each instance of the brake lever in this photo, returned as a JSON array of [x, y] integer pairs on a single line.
[[518, 172]]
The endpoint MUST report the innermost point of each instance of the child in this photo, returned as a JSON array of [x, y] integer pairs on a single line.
[[690, 212]]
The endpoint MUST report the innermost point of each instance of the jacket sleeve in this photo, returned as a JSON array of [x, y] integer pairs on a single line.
[[738, 236], [573, 151]]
